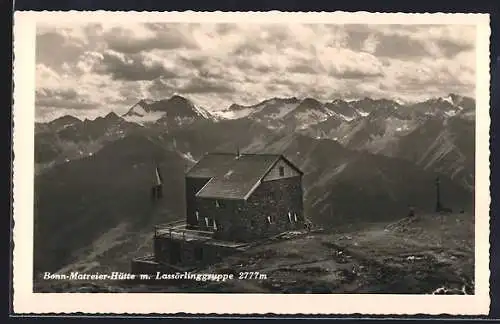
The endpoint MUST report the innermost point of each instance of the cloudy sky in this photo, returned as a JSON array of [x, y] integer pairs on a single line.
[[87, 70]]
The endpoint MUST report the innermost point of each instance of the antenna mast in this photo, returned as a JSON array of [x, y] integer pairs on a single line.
[[438, 196]]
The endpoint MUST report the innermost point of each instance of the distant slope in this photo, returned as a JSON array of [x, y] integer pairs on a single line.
[[445, 146], [342, 185], [224, 136], [78, 201], [68, 138]]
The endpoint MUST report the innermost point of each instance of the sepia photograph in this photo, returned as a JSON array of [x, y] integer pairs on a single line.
[[231, 155]]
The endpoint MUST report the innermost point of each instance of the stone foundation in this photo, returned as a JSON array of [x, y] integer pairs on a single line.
[[185, 253]]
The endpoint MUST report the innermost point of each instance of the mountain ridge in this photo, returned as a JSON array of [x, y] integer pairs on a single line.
[[374, 125], [148, 105]]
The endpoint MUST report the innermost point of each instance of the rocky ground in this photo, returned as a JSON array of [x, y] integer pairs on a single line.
[[425, 255]]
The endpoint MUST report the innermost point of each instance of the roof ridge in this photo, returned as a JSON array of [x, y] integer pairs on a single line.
[[220, 153], [267, 154], [241, 153]]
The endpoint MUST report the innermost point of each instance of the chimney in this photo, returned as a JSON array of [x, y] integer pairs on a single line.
[[157, 188], [158, 179]]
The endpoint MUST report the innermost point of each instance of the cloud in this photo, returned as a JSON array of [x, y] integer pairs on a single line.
[[345, 63], [84, 94], [53, 48], [162, 87], [153, 36], [206, 86], [412, 41], [108, 66], [55, 92], [396, 46], [61, 98], [133, 67]]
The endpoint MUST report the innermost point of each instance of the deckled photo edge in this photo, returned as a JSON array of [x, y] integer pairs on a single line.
[[58, 17], [23, 158], [482, 187], [25, 301]]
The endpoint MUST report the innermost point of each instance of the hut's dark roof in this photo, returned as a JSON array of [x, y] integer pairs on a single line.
[[211, 164], [232, 176]]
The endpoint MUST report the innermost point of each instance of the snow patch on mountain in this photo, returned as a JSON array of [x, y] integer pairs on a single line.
[[448, 99], [181, 121], [201, 112], [344, 117], [236, 111], [233, 114], [310, 117], [401, 101], [450, 113], [271, 109], [188, 156], [67, 125], [149, 111], [136, 110], [362, 113], [146, 117], [394, 125]]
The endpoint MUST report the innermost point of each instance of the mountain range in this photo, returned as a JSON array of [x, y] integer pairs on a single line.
[[366, 160]]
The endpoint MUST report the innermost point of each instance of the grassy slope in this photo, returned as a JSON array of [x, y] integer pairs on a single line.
[[418, 257], [102, 197], [402, 257]]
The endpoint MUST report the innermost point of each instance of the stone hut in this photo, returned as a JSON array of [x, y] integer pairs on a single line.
[[243, 197], [232, 200]]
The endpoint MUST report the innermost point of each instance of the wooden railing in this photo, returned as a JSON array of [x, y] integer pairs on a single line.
[[147, 257], [171, 224], [171, 229]]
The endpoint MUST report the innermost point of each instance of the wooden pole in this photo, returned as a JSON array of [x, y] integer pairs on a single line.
[[438, 195]]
